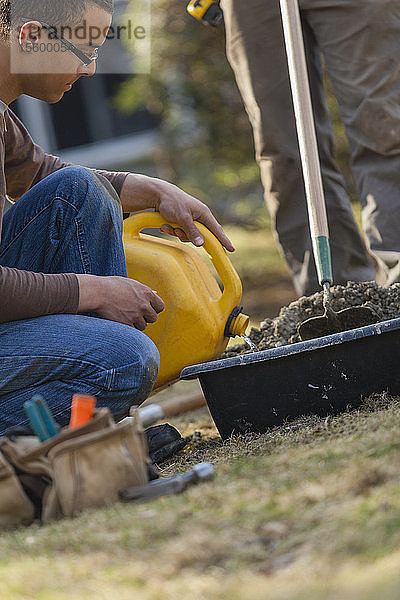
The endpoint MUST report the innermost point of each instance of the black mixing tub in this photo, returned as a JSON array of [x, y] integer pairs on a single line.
[[253, 392]]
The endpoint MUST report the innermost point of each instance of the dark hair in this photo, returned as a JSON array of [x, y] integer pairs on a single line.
[[53, 12]]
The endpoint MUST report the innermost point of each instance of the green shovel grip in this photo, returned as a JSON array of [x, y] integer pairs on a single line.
[[322, 256]]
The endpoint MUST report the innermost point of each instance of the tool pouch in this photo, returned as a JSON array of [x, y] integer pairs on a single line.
[[73, 471], [90, 470], [15, 506]]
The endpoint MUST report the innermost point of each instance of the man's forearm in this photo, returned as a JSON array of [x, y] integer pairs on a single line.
[[26, 295], [140, 192]]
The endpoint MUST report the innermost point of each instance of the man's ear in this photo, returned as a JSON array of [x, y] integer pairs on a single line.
[[29, 33]]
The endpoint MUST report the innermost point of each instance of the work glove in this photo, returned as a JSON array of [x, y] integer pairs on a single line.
[[163, 441]]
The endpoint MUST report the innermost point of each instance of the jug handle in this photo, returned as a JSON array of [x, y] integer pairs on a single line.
[[232, 291]]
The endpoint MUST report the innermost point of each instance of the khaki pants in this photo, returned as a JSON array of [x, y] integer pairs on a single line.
[[360, 43]]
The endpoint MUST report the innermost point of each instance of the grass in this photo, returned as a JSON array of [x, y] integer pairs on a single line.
[[307, 511], [257, 259]]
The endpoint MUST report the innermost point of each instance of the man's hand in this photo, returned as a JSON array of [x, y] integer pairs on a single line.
[[178, 207], [119, 299], [140, 192]]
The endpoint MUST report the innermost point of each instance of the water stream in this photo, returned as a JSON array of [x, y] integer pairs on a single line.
[[248, 341]]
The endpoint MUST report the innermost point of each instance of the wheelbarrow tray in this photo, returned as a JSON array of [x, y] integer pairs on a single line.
[[256, 391]]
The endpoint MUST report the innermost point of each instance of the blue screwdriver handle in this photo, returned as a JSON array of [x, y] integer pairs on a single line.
[[51, 426], [36, 421], [40, 418]]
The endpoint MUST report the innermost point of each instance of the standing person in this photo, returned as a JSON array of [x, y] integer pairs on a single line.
[[359, 41], [61, 253]]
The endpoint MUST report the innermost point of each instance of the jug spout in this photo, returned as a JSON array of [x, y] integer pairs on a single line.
[[237, 323]]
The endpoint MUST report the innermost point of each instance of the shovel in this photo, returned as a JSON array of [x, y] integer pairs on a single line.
[[331, 321]]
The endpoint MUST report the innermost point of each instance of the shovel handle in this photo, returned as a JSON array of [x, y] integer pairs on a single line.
[[154, 412], [307, 138], [178, 406]]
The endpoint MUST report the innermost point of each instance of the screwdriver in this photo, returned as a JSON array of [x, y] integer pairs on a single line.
[[168, 485]]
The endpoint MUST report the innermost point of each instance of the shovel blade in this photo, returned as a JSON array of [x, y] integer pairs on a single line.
[[336, 322]]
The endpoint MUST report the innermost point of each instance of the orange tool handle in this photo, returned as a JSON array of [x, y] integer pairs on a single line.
[[82, 408]]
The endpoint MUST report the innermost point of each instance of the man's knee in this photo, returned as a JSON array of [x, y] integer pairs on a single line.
[[377, 125], [135, 365], [141, 373], [129, 363], [87, 185], [75, 175]]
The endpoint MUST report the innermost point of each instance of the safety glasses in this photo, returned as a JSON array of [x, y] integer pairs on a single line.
[[84, 58]]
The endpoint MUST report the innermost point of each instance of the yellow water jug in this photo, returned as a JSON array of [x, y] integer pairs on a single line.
[[199, 317]]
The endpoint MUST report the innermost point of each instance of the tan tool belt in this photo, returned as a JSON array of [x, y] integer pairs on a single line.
[[73, 471]]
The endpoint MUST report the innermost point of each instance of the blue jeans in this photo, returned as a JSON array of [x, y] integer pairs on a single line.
[[70, 222]]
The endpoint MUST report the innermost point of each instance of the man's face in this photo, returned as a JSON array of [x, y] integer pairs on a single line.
[[47, 68]]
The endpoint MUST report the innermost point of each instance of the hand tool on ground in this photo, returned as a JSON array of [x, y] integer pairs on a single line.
[[40, 418], [331, 321], [152, 413], [168, 485]]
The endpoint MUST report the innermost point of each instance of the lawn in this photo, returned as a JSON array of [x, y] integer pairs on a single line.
[[306, 511]]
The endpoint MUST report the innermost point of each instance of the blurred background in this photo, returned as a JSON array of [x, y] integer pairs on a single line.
[[183, 122]]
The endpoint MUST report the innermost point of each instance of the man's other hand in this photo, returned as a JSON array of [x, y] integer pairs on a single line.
[[176, 206], [119, 299]]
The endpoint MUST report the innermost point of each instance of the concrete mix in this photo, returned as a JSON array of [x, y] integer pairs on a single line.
[[282, 330]]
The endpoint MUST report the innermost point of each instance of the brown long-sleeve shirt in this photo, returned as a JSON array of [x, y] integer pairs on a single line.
[[24, 294]]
